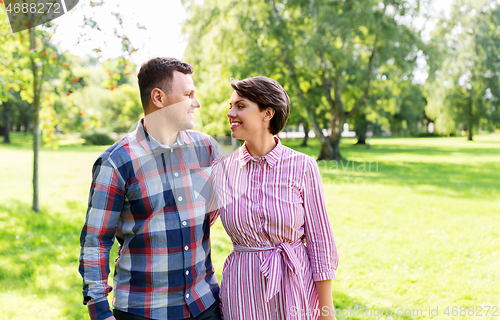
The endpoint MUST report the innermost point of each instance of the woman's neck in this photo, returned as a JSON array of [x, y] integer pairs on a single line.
[[260, 146]]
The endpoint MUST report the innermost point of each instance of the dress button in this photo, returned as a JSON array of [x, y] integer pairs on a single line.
[[187, 296], [187, 272], [176, 174], [180, 198], [184, 223], [186, 248]]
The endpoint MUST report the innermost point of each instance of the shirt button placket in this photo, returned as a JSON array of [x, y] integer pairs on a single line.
[[260, 193]]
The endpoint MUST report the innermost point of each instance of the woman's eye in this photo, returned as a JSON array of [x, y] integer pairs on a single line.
[[241, 106]]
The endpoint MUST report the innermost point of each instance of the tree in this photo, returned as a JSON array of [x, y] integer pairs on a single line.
[[9, 46], [32, 60], [324, 53], [6, 122], [465, 84], [27, 51]]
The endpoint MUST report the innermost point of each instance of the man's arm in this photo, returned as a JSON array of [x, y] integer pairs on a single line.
[[98, 234]]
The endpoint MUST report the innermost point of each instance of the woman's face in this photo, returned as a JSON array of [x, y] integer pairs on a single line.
[[246, 119]]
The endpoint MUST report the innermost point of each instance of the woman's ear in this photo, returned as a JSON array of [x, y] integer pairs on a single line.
[[269, 114]]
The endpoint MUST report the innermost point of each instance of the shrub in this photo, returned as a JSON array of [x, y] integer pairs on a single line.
[[98, 139]]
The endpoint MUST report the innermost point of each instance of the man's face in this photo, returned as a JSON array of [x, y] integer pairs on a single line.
[[181, 102]]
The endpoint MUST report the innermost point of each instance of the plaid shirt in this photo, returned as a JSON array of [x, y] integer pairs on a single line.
[[154, 200]]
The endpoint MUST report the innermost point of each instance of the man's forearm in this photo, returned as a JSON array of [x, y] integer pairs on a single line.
[[99, 310]]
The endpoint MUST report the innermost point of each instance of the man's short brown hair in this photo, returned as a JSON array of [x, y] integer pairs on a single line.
[[158, 73], [267, 93]]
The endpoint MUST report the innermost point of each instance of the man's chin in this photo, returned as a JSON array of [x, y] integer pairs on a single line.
[[189, 126]]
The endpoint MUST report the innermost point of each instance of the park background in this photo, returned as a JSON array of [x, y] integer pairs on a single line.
[[413, 197]]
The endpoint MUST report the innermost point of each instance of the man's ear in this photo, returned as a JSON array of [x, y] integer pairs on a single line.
[[269, 114], [158, 98]]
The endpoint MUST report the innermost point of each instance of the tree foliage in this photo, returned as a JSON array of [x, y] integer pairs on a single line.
[[325, 53], [464, 91]]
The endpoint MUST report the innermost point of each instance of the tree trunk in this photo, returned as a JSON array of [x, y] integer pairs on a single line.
[[331, 149], [361, 129], [469, 119], [361, 138], [6, 124], [306, 136], [36, 120]]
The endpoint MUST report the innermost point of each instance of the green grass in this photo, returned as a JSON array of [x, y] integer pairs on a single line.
[[416, 229]]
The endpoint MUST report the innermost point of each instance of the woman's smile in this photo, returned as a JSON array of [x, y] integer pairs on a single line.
[[234, 124]]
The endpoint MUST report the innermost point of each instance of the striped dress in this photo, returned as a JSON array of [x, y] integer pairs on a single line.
[[273, 210]]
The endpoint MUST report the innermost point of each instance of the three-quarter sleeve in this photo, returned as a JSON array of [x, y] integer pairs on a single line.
[[320, 243], [106, 201]]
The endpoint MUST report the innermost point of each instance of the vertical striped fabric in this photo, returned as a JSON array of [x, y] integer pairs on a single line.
[[267, 206]]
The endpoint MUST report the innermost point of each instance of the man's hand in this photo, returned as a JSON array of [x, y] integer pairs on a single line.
[[110, 318]]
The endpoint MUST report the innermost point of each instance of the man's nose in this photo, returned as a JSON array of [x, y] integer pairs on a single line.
[[197, 103]]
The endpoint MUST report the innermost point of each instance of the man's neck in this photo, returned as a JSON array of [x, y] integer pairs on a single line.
[[164, 134]]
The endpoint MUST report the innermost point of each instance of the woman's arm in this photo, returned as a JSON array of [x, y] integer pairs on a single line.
[[321, 248], [326, 307]]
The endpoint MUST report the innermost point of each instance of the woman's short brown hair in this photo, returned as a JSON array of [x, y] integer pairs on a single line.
[[267, 93]]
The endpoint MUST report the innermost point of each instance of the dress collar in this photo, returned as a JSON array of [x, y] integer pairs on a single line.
[[272, 157]]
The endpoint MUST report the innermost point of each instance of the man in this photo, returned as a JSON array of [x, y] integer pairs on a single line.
[[150, 190]]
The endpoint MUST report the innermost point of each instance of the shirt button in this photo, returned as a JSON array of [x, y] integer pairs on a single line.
[[187, 296], [180, 198], [176, 174], [184, 223], [186, 248], [187, 272]]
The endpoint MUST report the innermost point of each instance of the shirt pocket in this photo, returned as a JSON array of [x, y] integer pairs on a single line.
[[295, 195], [201, 183], [148, 195]]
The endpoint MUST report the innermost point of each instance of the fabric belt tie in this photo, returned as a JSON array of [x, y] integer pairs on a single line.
[[282, 265]]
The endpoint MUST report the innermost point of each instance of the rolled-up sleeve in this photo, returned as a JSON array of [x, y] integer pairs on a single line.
[[320, 243], [98, 234]]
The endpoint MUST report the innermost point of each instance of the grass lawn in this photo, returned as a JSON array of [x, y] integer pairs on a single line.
[[415, 222]]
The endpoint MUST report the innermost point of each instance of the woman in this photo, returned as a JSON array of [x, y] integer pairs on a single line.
[[271, 200]]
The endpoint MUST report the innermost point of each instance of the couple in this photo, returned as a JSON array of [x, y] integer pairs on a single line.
[[159, 189]]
